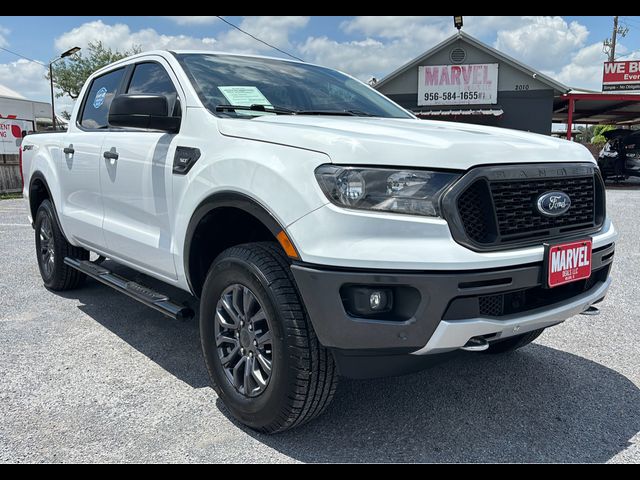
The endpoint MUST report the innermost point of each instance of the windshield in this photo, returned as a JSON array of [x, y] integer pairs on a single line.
[[223, 80]]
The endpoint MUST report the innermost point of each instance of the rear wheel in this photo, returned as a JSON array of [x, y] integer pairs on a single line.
[[263, 357], [52, 248], [513, 343]]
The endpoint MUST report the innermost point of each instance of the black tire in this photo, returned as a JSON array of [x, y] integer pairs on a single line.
[[55, 274], [303, 377], [513, 343]]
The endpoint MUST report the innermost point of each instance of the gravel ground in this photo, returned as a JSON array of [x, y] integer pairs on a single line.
[[92, 376]]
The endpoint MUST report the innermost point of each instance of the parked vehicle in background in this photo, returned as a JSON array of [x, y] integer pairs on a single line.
[[620, 156], [324, 229]]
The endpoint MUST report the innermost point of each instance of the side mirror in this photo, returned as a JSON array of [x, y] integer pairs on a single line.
[[142, 111]]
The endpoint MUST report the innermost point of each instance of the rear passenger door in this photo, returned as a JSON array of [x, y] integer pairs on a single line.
[[137, 186], [82, 209]]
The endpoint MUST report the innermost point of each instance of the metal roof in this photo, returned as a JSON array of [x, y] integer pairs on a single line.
[[613, 108], [559, 87], [475, 112], [8, 93]]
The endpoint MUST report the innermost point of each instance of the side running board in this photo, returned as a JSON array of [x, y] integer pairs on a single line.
[[138, 292]]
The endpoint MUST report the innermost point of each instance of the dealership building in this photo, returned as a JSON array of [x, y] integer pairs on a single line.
[[465, 80]]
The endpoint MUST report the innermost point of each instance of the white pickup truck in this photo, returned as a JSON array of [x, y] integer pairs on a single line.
[[325, 230]]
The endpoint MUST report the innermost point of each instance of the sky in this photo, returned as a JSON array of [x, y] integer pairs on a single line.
[[568, 49]]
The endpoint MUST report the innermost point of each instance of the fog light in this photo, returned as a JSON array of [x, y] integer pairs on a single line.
[[362, 301], [377, 300]]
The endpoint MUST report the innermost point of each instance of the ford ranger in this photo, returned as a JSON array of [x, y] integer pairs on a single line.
[[324, 230]]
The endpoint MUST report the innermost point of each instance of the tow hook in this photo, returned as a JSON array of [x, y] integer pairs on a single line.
[[591, 311], [475, 344]]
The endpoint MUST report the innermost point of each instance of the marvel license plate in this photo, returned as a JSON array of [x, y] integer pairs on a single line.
[[568, 262]]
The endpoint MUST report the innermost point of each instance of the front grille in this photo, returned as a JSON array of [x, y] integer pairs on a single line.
[[476, 210], [492, 209], [491, 305], [517, 215]]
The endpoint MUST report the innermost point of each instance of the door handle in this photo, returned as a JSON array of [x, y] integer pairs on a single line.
[[109, 155], [68, 150]]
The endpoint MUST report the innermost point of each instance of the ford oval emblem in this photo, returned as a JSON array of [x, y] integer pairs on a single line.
[[553, 204]]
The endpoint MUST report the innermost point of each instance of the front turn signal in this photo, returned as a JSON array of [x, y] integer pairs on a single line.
[[287, 246]]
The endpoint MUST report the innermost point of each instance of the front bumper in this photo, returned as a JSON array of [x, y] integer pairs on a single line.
[[449, 310]]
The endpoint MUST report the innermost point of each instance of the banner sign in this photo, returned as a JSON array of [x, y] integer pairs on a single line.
[[458, 84], [11, 134], [621, 76]]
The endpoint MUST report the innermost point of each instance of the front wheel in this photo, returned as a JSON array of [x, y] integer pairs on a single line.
[[263, 357]]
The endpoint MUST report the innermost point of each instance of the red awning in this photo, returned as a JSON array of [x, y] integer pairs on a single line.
[[496, 112]]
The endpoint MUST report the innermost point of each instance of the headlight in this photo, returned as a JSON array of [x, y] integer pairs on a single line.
[[415, 192]]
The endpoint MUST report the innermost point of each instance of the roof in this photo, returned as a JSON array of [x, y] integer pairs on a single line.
[[480, 46], [475, 112], [7, 92], [616, 108]]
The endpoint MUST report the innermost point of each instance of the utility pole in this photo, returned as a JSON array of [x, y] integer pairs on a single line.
[[614, 36], [609, 45]]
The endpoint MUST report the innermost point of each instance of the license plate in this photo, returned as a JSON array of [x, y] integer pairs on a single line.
[[568, 262]]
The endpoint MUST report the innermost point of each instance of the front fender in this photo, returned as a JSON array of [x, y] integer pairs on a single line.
[[278, 178]]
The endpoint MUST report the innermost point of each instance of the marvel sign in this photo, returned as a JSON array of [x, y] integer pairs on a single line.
[[458, 84], [568, 262], [621, 75]]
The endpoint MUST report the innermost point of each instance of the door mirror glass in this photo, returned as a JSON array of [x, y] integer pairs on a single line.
[[142, 111]]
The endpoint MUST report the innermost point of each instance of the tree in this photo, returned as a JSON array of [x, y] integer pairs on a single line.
[[585, 133], [598, 137], [69, 75]]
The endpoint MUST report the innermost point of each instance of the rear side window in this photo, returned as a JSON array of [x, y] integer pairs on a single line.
[[152, 79], [98, 99]]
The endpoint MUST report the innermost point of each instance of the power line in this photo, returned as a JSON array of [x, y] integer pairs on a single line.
[[256, 38], [22, 56], [631, 21]]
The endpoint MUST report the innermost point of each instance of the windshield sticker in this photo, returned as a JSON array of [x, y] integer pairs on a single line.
[[244, 96], [100, 96]]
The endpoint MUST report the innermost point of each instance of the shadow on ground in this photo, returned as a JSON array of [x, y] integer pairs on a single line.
[[537, 405]]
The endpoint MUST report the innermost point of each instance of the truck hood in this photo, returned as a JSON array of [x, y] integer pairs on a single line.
[[405, 142]]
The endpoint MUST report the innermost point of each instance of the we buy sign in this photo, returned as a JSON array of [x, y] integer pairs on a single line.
[[621, 75]]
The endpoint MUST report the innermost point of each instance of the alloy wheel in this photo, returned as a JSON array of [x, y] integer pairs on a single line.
[[244, 340]]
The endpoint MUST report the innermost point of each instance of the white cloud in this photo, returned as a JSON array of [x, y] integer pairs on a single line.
[[425, 28], [489, 25], [272, 29], [29, 79], [3, 36], [361, 59], [543, 42], [26, 78], [585, 68], [120, 37], [186, 20], [389, 43], [397, 26]]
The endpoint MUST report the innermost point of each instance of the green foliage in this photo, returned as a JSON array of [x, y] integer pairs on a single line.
[[598, 137], [70, 74]]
